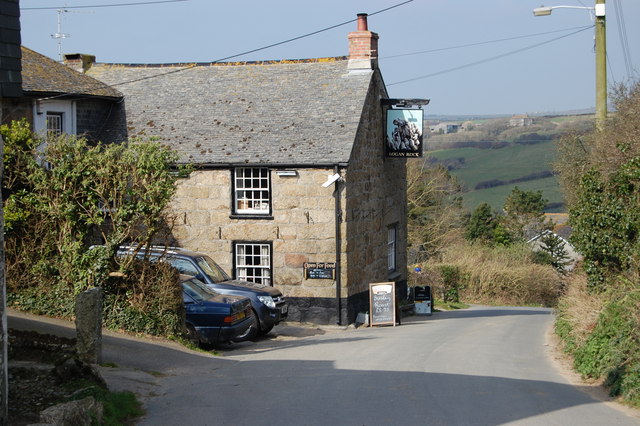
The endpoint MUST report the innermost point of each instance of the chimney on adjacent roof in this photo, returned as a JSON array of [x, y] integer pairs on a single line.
[[363, 46], [79, 61]]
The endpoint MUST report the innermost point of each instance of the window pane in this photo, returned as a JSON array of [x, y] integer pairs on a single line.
[[252, 190], [391, 248], [253, 262], [54, 123]]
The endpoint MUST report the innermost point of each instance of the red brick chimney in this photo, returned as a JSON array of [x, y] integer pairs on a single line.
[[363, 46], [79, 61]]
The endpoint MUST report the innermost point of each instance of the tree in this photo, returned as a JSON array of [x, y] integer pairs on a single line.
[[554, 246], [524, 213], [117, 192], [482, 224], [434, 208], [602, 171]]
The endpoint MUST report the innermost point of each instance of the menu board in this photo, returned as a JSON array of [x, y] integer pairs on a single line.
[[320, 270], [382, 302]]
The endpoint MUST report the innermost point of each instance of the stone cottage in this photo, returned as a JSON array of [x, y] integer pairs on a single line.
[[292, 187]]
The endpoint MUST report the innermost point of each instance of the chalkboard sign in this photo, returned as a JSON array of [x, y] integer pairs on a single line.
[[382, 303], [320, 270]]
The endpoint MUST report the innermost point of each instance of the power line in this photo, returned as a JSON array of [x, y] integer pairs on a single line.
[[270, 45], [190, 66], [622, 32], [102, 5], [308, 34], [493, 58], [460, 46]]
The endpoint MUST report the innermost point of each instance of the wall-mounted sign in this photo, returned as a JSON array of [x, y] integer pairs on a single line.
[[382, 303], [404, 132], [320, 270]]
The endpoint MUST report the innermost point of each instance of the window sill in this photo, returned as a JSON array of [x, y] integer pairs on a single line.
[[251, 216]]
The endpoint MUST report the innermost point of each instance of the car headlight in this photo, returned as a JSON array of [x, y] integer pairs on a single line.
[[268, 301]]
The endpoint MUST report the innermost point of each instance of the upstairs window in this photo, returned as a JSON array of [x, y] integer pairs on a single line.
[[252, 191]]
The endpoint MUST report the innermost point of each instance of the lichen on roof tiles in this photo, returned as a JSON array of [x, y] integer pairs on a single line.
[[283, 112]]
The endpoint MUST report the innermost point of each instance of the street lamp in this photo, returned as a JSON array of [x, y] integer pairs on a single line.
[[601, 53]]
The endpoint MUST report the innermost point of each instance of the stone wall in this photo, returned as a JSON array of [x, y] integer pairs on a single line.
[[375, 200], [16, 109], [96, 120], [302, 227]]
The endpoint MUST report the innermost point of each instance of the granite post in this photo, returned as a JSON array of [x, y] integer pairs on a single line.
[[89, 325]]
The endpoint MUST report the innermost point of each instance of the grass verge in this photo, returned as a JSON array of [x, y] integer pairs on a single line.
[[120, 408], [602, 333]]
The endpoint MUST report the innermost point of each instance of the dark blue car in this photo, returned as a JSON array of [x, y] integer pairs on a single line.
[[213, 318], [269, 306]]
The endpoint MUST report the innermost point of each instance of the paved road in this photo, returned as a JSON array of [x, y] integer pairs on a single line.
[[482, 366]]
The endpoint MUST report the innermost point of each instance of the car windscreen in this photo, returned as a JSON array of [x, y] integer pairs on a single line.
[[197, 290], [211, 268]]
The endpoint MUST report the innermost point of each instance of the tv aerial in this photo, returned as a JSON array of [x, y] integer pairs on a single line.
[[59, 35]]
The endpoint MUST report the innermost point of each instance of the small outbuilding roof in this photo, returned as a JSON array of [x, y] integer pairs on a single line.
[[46, 77]]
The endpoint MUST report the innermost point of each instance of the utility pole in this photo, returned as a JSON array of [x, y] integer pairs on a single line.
[[601, 64], [601, 53]]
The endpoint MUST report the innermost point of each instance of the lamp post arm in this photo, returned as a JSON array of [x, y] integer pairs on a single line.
[[573, 7]]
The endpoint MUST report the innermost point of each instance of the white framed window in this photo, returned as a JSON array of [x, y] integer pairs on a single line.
[[253, 262], [252, 190], [55, 123], [391, 248]]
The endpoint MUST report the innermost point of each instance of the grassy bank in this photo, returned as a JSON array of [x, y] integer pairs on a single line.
[[602, 334], [473, 273]]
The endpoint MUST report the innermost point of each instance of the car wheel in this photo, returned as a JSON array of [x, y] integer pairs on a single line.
[[253, 330], [266, 330], [192, 335]]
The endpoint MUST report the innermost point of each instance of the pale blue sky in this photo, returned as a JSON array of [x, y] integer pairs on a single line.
[[489, 77]]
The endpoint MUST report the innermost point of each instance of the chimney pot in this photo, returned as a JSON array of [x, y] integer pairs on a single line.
[[362, 22]]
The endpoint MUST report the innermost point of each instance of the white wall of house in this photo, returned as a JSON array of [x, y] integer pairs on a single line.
[[65, 109]]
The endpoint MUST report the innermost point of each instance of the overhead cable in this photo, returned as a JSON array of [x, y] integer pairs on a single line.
[[102, 5], [493, 58]]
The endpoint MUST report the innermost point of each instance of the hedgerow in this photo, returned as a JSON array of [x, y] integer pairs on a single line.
[[600, 172], [61, 195]]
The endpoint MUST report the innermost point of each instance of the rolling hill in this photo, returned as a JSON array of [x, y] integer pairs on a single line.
[[490, 165]]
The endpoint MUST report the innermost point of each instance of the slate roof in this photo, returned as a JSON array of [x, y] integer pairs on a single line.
[[301, 112], [44, 76]]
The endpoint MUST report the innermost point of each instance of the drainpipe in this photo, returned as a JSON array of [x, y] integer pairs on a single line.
[[338, 221]]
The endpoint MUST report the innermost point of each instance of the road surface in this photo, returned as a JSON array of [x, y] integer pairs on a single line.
[[481, 366]]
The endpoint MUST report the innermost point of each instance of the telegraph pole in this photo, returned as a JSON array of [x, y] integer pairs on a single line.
[[601, 64]]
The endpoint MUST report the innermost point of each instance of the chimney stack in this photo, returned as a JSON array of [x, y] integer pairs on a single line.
[[363, 46], [79, 61]]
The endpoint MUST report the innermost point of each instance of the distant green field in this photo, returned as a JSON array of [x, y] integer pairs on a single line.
[[504, 164]]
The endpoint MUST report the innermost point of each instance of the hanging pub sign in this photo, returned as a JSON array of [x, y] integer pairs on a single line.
[[404, 133]]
